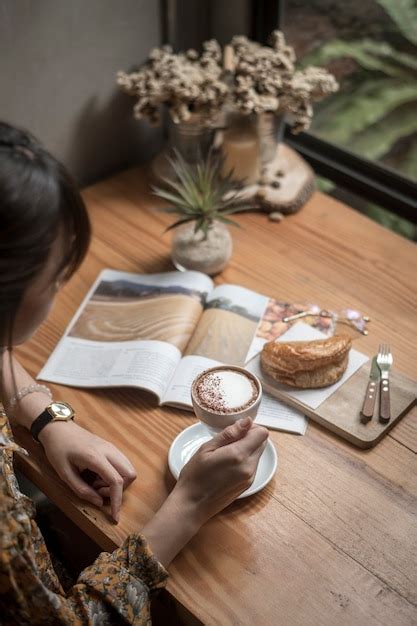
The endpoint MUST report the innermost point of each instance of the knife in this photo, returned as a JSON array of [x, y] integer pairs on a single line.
[[371, 391]]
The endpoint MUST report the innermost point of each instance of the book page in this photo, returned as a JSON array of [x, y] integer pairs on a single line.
[[130, 330], [126, 307], [144, 364], [237, 322], [278, 416], [226, 329], [272, 413], [179, 390]]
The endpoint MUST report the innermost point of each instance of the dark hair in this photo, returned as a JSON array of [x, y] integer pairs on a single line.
[[38, 199]]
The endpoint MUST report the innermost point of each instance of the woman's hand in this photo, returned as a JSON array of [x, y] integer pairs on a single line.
[[71, 450], [215, 476], [222, 469]]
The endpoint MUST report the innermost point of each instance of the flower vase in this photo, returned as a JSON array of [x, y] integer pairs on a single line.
[[192, 139], [250, 143], [270, 132], [193, 250]]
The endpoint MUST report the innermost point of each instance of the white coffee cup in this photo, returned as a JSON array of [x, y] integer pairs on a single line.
[[223, 394]]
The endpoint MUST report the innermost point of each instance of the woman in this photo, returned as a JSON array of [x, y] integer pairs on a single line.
[[44, 236]]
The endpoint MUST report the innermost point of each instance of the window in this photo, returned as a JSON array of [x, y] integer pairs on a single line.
[[364, 138], [371, 48]]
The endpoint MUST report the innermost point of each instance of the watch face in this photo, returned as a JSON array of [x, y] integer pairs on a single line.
[[61, 410]]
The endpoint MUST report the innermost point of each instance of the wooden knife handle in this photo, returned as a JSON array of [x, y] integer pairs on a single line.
[[384, 403], [369, 402]]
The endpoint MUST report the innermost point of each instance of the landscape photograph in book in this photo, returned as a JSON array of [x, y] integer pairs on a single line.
[[228, 325], [123, 310]]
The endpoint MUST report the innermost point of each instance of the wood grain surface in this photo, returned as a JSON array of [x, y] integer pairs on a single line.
[[332, 539]]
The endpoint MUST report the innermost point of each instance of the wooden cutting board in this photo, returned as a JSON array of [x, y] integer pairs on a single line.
[[340, 413]]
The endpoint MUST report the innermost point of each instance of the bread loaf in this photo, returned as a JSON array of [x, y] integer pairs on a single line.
[[307, 364]]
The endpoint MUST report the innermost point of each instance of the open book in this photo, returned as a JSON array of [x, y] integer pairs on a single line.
[[159, 331]]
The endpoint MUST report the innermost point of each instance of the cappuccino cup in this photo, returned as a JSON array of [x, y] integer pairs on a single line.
[[224, 394]]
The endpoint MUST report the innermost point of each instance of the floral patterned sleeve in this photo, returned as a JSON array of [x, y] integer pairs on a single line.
[[115, 589], [118, 586]]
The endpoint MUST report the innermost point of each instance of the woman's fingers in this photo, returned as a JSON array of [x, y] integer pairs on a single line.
[[122, 465], [253, 441], [71, 476], [98, 483], [112, 478], [258, 453], [230, 434], [124, 468], [253, 459]]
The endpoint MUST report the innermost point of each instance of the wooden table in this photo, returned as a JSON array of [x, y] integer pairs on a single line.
[[333, 538]]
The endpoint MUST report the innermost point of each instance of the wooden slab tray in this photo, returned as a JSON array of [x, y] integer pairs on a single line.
[[340, 413], [296, 182]]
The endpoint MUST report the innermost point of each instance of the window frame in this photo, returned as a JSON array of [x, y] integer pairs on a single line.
[[369, 179]]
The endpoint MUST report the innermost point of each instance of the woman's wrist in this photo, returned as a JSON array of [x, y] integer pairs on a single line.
[[26, 391], [49, 431], [29, 408], [193, 514], [172, 527]]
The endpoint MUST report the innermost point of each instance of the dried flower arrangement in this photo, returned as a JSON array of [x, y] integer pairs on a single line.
[[263, 79], [187, 83]]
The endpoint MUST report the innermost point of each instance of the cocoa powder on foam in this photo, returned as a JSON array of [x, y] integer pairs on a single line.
[[210, 396]]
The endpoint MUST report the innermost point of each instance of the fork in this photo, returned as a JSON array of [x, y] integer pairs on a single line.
[[384, 360]]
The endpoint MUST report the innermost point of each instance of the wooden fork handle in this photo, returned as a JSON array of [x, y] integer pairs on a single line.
[[384, 403], [369, 402]]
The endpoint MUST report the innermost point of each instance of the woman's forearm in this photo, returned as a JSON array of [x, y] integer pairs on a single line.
[[172, 527], [14, 378]]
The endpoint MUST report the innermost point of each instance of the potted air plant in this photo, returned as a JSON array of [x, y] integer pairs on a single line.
[[203, 198]]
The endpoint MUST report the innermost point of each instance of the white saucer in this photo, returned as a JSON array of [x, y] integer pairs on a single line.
[[188, 441]]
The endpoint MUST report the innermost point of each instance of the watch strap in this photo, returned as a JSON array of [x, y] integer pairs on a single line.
[[39, 423]]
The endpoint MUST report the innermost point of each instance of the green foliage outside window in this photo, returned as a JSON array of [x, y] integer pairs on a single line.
[[374, 114]]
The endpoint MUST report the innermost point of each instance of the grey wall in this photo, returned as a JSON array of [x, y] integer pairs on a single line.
[[190, 22], [58, 60], [229, 18]]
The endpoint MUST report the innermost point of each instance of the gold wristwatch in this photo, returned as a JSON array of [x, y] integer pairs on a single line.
[[56, 411]]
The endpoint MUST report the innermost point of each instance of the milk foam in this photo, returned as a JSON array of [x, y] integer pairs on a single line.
[[226, 390]]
